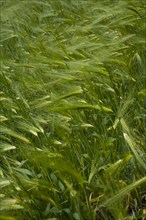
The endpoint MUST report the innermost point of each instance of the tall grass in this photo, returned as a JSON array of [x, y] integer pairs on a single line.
[[72, 110]]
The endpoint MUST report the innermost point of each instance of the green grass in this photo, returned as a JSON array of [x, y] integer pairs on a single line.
[[73, 102]]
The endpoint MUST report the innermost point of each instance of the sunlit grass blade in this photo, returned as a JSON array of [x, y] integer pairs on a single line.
[[14, 134], [10, 204], [80, 107], [123, 192], [133, 148], [3, 118], [4, 183], [6, 147], [116, 168]]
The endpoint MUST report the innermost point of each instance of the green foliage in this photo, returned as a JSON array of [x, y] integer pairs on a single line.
[[72, 109]]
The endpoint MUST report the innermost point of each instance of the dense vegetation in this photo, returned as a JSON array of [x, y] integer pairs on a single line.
[[72, 110]]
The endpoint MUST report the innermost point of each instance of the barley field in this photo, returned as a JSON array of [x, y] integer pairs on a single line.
[[72, 110]]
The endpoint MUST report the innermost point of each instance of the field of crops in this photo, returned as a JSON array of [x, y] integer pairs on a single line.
[[72, 110]]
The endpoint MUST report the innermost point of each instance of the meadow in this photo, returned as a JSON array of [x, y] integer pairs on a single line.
[[72, 110]]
